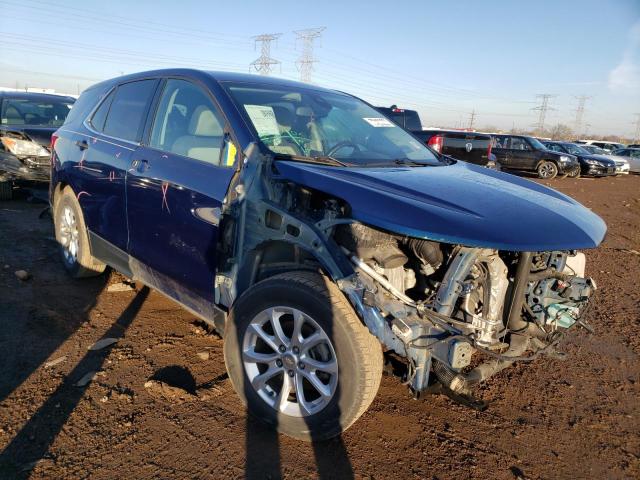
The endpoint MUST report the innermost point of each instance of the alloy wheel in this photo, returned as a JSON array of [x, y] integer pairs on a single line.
[[290, 361], [69, 235]]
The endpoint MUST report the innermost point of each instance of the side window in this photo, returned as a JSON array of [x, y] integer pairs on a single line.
[[554, 147], [100, 115], [634, 153], [519, 144], [128, 108], [187, 123], [500, 142]]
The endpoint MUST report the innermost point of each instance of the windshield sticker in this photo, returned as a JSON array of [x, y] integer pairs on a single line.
[[378, 122], [263, 119]]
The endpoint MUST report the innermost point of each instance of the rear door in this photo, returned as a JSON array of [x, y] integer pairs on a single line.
[[112, 134], [175, 188], [501, 149]]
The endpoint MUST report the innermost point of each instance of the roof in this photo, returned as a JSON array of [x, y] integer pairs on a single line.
[[34, 96], [217, 76]]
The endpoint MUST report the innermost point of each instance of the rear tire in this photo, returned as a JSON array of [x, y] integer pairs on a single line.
[[547, 170], [6, 189], [72, 238], [317, 305]]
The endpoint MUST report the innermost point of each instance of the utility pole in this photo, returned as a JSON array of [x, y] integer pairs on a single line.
[[472, 117], [306, 60], [543, 108], [636, 136], [582, 99], [264, 63]]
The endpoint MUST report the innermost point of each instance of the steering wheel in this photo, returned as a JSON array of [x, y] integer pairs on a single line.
[[341, 145]]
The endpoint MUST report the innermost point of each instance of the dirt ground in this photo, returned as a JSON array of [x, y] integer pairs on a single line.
[[161, 406]]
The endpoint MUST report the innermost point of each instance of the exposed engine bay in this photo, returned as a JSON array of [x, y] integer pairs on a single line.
[[439, 304]]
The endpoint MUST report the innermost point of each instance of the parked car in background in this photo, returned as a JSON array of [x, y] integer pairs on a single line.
[[631, 155], [607, 146], [27, 121], [310, 231], [470, 147], [523, 153], [407, 119], [634, 145], [590, 164], [593, 149]]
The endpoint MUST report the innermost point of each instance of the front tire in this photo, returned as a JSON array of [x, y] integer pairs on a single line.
[[6, 189], [299, 357], [547, 170], [575, 173], [72, 238]]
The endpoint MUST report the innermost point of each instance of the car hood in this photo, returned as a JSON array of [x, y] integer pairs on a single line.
[[460, 204], [40, 135], [600, 158]]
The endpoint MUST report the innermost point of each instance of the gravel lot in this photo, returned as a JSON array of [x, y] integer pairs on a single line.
[[577, 418]]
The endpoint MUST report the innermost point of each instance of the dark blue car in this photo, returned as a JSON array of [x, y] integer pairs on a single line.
[[315, 235]]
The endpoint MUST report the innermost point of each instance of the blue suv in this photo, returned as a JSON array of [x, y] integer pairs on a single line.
[[315, 235]]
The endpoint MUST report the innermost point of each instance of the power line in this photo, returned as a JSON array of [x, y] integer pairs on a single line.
[[306, 60], [543, 108], [582, 99], [264, 63]]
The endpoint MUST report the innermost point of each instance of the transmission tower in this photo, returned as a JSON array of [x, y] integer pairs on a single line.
[[582, 99], [306, 60], [264, 63], [637, 125], [472, 117], [543, 108]]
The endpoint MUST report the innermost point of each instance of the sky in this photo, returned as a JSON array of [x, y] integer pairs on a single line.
[[444, 59]]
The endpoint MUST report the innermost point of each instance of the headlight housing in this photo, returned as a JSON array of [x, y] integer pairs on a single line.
[[592, 162], [566, 158], [24, 148]]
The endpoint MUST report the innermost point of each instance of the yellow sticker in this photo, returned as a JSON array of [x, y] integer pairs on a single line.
[[231, 154]]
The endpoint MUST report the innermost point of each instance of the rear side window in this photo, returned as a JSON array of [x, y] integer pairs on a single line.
[[83, 106], [128, 110], [97, 121], [500, 142]]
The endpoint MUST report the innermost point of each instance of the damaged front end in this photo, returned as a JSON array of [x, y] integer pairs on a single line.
[[453, 311], [444, 307], [23, 158]]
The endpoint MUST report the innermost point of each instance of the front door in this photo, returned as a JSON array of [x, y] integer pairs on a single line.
[[522, 156], [175, 188]]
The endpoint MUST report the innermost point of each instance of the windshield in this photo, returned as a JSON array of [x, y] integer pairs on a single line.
[[301, 122], [45, 113], [537, 144], [575, 149]]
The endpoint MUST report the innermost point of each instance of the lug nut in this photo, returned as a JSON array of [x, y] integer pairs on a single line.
[[279, 362], [290, 372], [296, 350], [301, 366], [282, 348]]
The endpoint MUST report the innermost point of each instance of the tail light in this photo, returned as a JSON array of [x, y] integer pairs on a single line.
[[54, 139], [489, 149], [436, 142]]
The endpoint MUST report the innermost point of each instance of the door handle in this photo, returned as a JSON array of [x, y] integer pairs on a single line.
[[139, 166], [82, 144]]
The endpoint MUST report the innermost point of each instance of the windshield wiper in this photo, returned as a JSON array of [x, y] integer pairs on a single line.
[[319, 159], [407, 161]]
